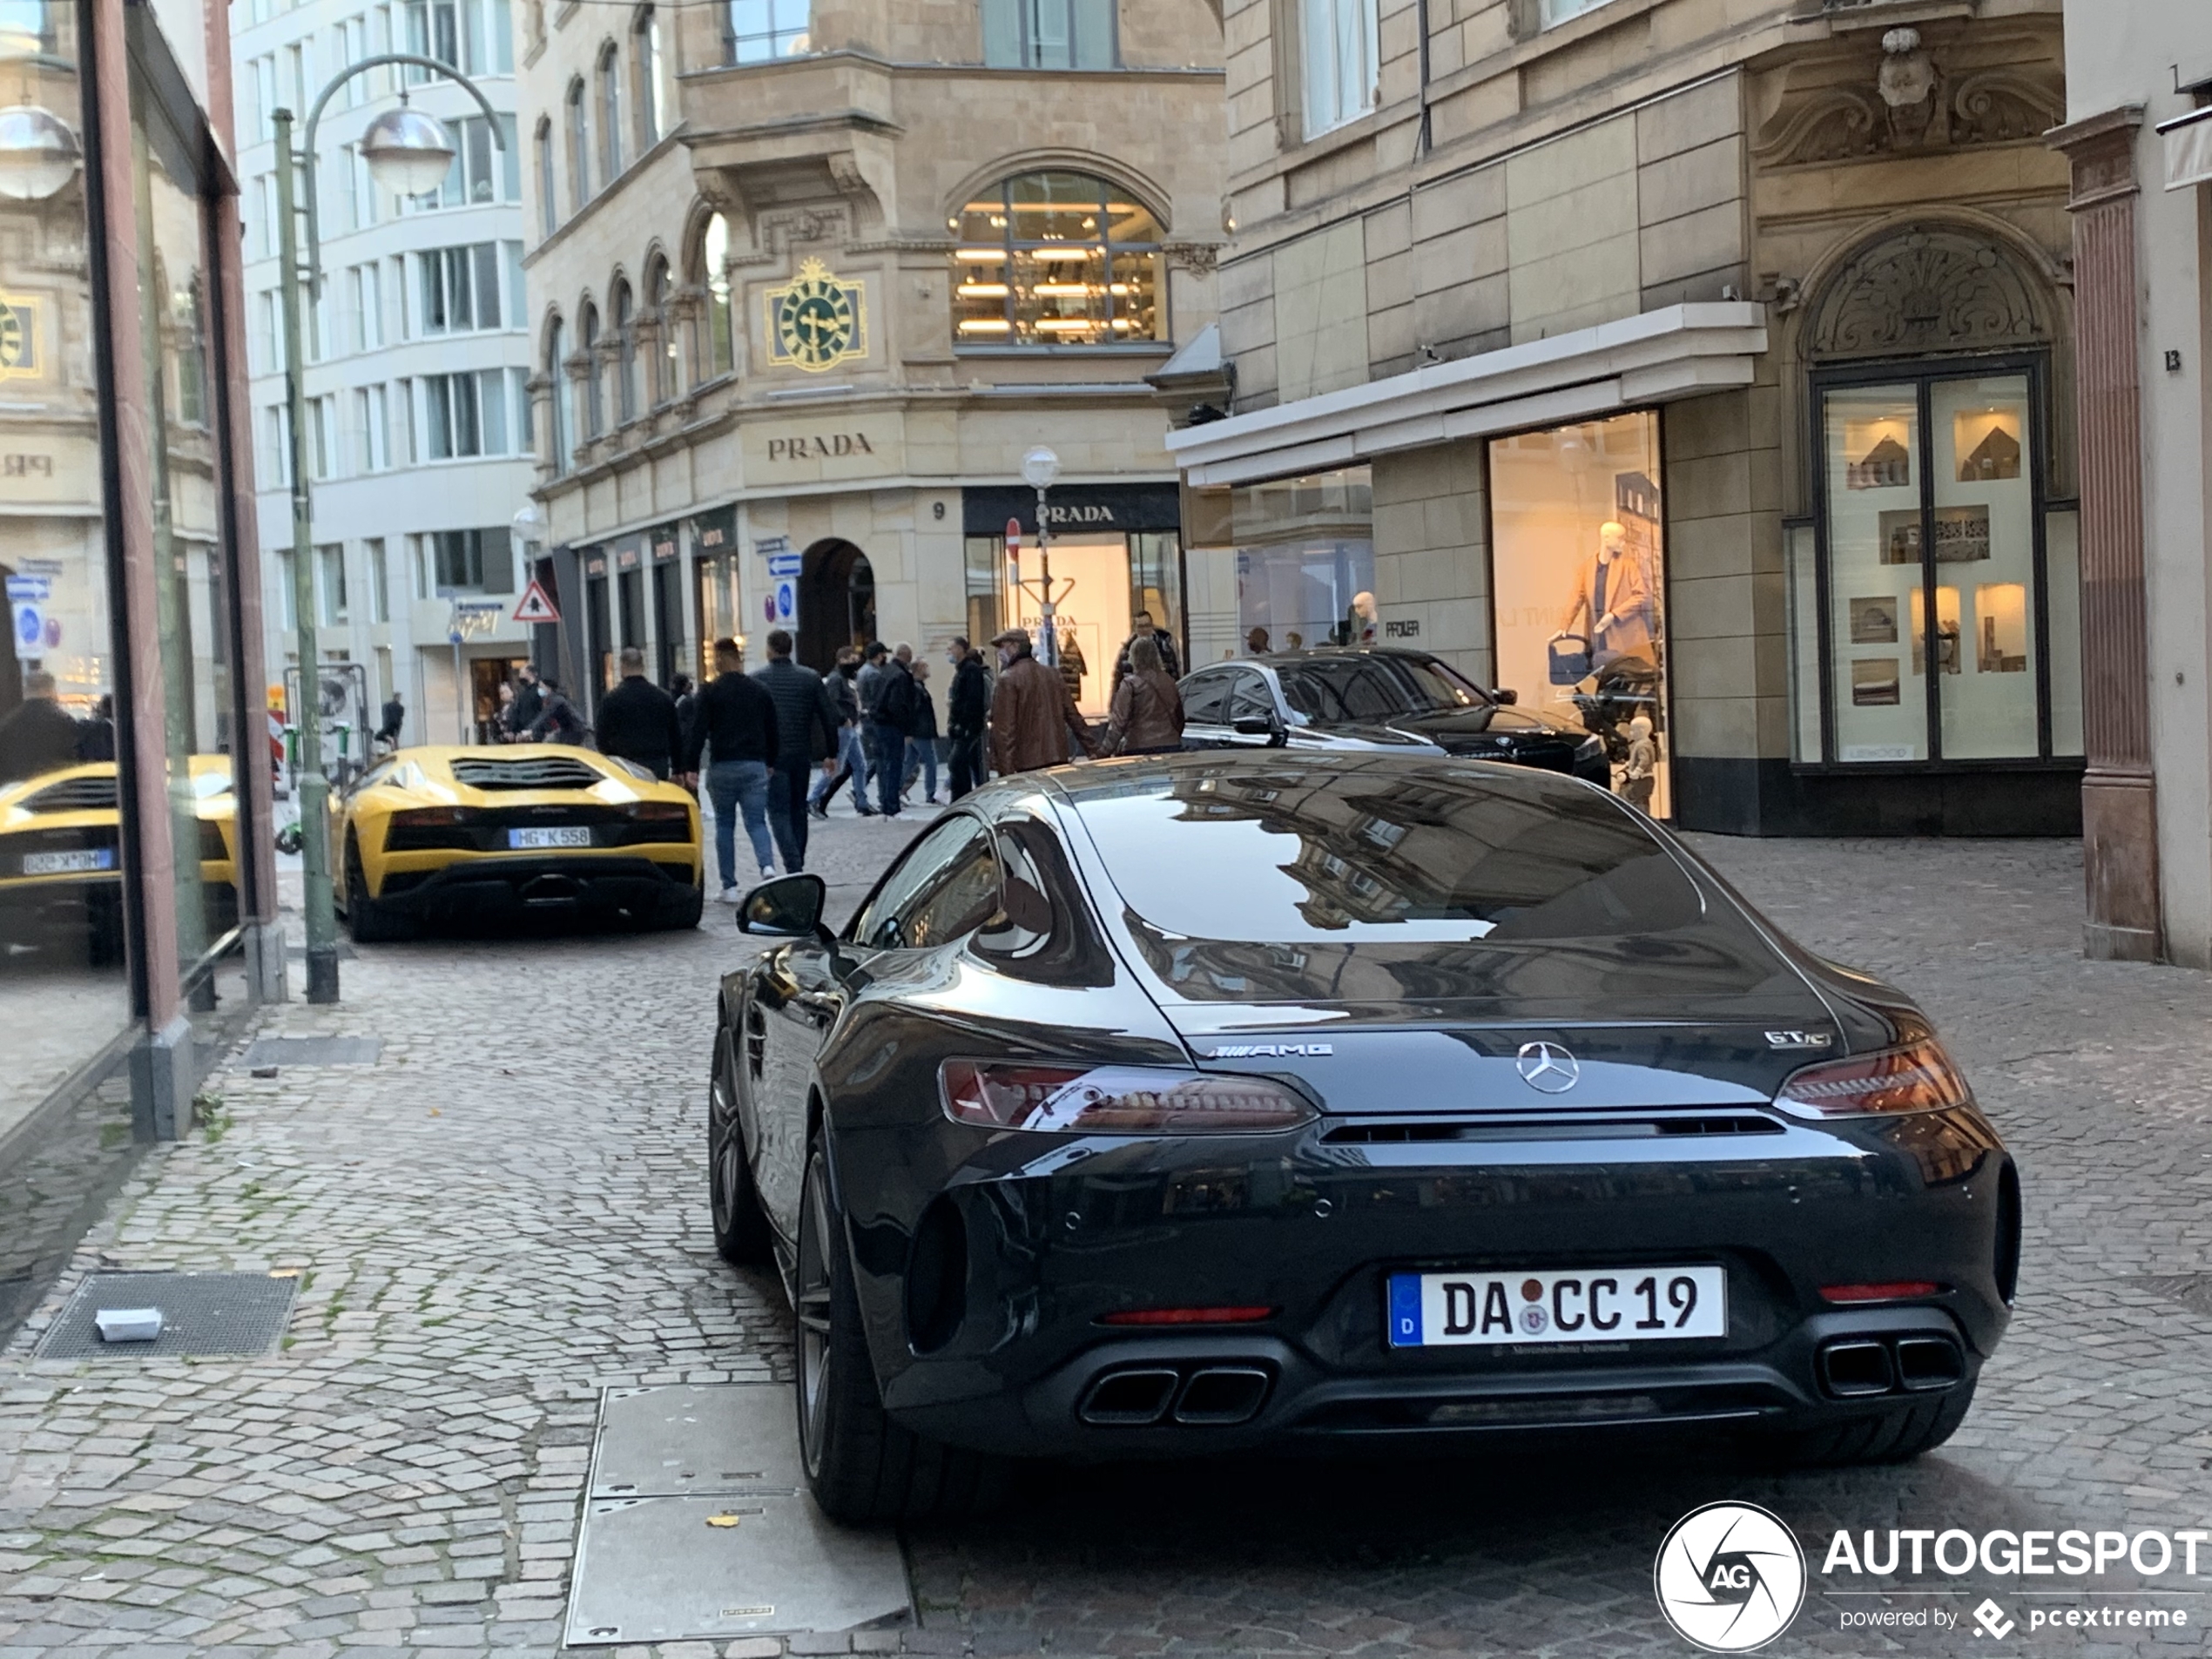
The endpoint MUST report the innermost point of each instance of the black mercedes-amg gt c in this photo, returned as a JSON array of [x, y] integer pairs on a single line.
[[1214, 1101]]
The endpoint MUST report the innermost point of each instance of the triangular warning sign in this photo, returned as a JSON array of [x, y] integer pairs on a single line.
[[535, 605]]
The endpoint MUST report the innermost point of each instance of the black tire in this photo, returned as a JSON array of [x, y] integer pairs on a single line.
[[740, 1225], [367, 923], [694, 907], [862, 1467], [1897, 1435]]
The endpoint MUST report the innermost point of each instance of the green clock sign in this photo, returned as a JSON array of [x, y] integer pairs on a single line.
[[816, 320]]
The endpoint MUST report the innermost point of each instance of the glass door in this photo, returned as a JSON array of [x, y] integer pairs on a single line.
[[1877, 601]]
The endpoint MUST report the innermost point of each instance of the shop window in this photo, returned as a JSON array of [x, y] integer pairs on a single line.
[[1579, 589], [760, 30], [1301, 552], [1339, 44], [1049, 34], [1057, 259], [1924, 609]]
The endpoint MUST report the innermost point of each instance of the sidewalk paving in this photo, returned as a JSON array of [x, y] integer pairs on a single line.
[[507, 1213]]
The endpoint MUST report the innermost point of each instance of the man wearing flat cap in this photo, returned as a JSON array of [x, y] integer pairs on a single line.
[[1032, 718]]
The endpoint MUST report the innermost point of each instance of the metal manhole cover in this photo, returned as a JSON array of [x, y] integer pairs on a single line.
[[202, 1313], [313, 1051]]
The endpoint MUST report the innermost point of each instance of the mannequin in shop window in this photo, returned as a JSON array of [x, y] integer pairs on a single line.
[[1614, 593]]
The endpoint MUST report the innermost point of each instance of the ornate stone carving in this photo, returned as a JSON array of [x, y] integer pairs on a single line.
[[1199, 258], [1925, 290], [1911, 88], [1838, 125], [2003, 107], [1911, 106]]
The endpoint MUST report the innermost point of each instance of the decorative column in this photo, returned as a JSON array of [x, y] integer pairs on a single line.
[[2119, 793]]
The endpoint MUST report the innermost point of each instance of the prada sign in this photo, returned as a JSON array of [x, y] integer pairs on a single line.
[[823, 451], [1075, 510], [818, 446]]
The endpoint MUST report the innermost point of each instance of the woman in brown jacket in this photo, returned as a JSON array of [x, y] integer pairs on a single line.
[[1147, 714]]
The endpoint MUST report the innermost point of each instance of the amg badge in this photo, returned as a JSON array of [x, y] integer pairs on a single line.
[[1271, 1050], [1799, 1039]]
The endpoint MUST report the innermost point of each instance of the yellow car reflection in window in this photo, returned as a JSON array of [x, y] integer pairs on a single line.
[[502, 834], [61, 855]]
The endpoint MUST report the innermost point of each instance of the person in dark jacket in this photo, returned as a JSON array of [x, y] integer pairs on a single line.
[[638, 721], [40, 736], [98, 742], [894, 712], [686, 695], [530, 703], [558, 720], [394, 718], [968, 708], [1142, 627], [921, 738], [738, 727], [807, 729], [852, 752]]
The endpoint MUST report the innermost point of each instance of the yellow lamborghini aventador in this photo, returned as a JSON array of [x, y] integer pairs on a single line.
[[500, 833]]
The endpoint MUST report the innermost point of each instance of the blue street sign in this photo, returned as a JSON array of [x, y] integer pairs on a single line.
[[783, 564]]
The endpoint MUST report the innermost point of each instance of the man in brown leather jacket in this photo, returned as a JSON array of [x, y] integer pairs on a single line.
[[1032, 720]]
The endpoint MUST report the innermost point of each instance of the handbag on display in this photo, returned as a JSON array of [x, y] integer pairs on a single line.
[[1570, 659]]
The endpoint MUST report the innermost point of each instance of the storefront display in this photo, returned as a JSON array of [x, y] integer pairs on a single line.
[[1933, 527], [1579, 573]]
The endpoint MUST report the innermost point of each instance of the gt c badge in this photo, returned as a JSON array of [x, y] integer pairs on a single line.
[[1271, 1050], [1547, 1067], [1800, 1039]]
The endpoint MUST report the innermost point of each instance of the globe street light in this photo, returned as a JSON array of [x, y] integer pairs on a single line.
[[410, 152], [1040, 466], [38, 153]]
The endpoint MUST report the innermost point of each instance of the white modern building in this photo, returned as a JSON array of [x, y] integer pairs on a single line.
[[418, 419]]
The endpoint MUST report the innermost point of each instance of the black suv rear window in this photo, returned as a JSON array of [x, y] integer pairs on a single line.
[[1352, 850]]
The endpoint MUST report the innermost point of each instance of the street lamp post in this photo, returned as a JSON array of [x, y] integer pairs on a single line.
[[408, 152], [1040, 466]]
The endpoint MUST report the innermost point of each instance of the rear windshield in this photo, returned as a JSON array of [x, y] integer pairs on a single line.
[[1357, 850]]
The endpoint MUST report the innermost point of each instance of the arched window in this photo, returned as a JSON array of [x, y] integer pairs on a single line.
[[625, 323], [594, 403], [760, 30], [548, 209], [556, 350], [1057, 259], [579, 149], [663, 367], [718, 344], [609, 113], [645, 64]]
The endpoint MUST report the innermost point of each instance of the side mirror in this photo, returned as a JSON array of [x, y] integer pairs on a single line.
[[1253, 726], [789, 907], [1504, 694]]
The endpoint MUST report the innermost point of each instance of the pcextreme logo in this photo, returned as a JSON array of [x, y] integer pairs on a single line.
[[1730, 1577]]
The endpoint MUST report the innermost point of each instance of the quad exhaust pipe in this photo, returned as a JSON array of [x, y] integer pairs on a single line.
[[1198, 1396], [1862, 1367]]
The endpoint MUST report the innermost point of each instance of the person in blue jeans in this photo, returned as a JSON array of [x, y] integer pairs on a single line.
[[894, 712], [737, 728]]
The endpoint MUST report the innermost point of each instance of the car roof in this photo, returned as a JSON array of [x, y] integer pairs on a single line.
[[1279, 660], [1120, 779]]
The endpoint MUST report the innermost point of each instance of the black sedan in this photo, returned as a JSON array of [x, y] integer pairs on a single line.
[[1368, 698], [1214, 1101]]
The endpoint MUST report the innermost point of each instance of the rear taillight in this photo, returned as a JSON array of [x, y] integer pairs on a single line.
[[1918, 1077], [1115, 1100], [1903, 1290], [432, 816], [660, 809], [1187, 1316]]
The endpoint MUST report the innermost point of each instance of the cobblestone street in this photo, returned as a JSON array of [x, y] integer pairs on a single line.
[[506, 1213]]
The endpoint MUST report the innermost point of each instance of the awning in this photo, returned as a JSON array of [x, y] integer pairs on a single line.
[[2189, 149], [1657, 357]]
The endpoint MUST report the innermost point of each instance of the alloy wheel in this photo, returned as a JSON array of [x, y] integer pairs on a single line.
[[723, 1151], [813, 1303]]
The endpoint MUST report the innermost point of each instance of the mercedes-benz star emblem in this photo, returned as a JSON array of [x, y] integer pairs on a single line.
[[1548, 1067]]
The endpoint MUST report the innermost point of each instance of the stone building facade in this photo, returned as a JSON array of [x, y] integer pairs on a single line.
[[2138, 140], [1732, 343], [807, 283]]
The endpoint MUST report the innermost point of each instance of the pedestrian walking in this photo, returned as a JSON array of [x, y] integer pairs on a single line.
[[1147, 717], [737, 734], [638, 721], [852, 755], [40, 735], [98, 742], [967, 709], [530, 703], [807, 728], [502, 719], [394, 716], [1032, 718], [558, 720], [867, 684], [685, 694], [921, 738], [895, 711], [1142, 627]]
